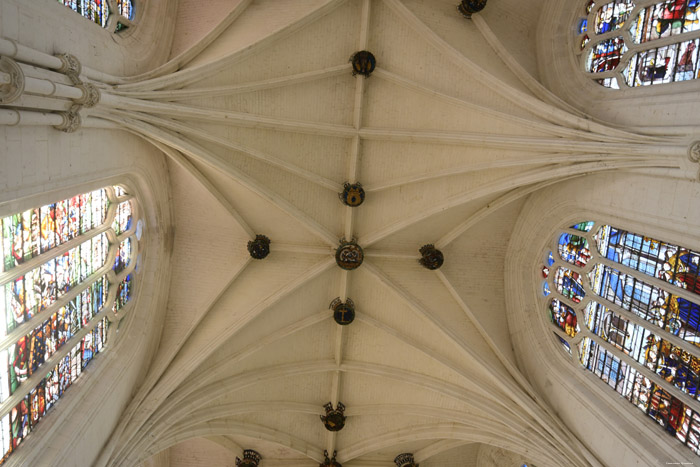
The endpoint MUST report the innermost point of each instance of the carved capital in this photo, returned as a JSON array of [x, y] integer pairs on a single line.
[[91, 95], [71, 120], [13, 90], [70, 66]]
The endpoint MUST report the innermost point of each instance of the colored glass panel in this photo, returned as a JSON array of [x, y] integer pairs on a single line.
[[28, 413], [574, 249], [31, 294], [125, 8], [590, 6], [618, 334], [612, 16], [32, 350], [123, 257], [36, 231], [19, 422], [675, 417], [123, 293], [39, 288], [605, 55], [550, 259], [5, 437], [671, 363], [665, 19], [676, 366], [583, 226], [122, 218], [585, 41], [545, 289], [565, 345], [96, 11], [608, 83], [675, 62], [564, 317], [644, 300], [568, 283], [665, 261]]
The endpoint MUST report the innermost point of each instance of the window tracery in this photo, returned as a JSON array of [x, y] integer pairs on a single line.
[[99, 11], [640, 43], [628, 310], [66, 276]]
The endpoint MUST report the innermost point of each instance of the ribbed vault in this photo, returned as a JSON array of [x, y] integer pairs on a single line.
[[262, 122]]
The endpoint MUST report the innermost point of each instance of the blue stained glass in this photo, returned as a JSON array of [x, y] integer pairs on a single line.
[[563, 343], [612, 16], [545, 289], [583, 226], [574, 249], [123, 257], [659, 307], [583, 26], [652, 257], [569, 284]]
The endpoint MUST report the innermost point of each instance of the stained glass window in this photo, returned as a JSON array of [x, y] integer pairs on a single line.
[[565, 345], [605, 55], [613, 15], [98, 11], [564, 317], [545, 289], [65, 266], [568, 283], [665, 261], [639, 309], [125, 9], [574, 249], [643, 61], [665, 19]]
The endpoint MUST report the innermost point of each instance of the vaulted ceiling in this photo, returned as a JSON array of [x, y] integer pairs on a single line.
[[262, 125]]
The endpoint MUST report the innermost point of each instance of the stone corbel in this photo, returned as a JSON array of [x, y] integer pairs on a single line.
[[71, 120], [11, 91], [70, 66], [91, 95]]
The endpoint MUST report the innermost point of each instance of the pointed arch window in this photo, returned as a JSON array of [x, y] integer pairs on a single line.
[[114, 14], [66, 278], [639, 43], [627, 307]]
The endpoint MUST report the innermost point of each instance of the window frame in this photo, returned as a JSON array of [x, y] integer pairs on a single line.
[[554, 347], [117, 319], [581, 54]]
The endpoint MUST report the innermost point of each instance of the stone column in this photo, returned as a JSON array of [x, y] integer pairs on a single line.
[[29, 86]]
